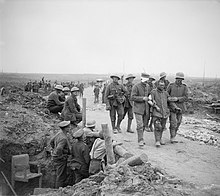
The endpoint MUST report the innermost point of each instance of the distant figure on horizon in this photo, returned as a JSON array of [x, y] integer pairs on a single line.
[[96, 93]]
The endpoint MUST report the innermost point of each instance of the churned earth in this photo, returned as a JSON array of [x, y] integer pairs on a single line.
[[26, 127]]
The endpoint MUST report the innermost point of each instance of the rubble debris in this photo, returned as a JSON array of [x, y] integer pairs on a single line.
[[201, 130], [126, 180]]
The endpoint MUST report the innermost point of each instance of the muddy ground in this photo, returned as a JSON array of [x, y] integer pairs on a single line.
[[26, 128]]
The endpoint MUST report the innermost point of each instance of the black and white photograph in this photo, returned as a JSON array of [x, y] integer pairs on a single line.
[[109, 97]]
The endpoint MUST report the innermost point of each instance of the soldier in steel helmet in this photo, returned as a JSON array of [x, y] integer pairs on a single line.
[[178, 92], [128, 106], [115, 97]]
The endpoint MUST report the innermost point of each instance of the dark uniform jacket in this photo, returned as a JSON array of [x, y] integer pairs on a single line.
[[161, 99], [80, 156], [61, 147], [115, 94], [128, 101], [139, 91], [53, 100], [96, 90], [181, 92], [71, 107]]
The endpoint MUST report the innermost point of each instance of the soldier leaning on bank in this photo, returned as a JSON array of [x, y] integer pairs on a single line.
[[60, 152], [115, 97], [179, 94], [128, 106]]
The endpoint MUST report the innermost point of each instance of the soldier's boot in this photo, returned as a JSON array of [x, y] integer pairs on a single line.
[[118, 125], [129, 130], [173, 136], [161, 141], [157, 137], [114, 128]]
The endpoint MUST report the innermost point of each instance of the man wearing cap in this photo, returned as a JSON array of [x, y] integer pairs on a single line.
[[115, 97], [163, 76], [54, 104], [80, 157], [60, 152], [139, 95], [71, 110], [96, 93], [91, 134], [160, 111], [179, 95], [128, 106]]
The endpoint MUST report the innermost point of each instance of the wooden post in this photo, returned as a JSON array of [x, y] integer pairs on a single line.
[[122, 152], [108, 144], [84, 112], [135, 160]]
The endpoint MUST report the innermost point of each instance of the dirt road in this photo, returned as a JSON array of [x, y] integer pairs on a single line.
[[188, 160]]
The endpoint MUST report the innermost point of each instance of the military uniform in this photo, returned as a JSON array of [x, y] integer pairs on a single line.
[[181, 92], [115, 98], [71, 110], [141, 107], [53, 103], [96, 93], [61, 149], [80, 157], [128, 106], [103, 93], [160, 114]]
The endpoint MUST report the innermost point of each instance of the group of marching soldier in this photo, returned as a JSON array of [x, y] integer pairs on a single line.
[[152, 103]]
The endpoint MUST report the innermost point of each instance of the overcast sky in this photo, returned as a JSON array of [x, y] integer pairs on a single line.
[[78, 36]]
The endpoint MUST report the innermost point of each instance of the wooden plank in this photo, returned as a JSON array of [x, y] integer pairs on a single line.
[[84, 112]]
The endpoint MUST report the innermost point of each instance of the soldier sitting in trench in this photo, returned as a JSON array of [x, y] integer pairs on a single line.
[[91, 134], [80, 157], [54, 104], [72, 110]]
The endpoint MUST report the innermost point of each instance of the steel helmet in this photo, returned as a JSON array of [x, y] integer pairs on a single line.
[[180, 75], [59, 87], [152, 77], [130, 76], [115, 75], [66, 89], [162, 74], [74, 89]]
